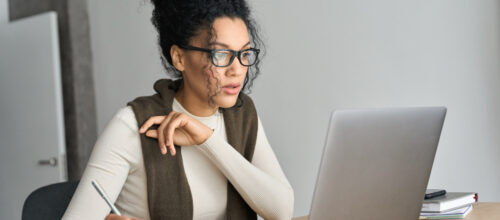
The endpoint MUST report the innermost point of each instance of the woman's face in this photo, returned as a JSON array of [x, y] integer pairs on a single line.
[[199, 74]]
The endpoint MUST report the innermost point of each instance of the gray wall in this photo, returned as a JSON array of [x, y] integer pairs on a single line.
[[330, 54], [126, 57]]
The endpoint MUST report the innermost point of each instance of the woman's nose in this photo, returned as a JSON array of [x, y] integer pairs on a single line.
[[236, 69]]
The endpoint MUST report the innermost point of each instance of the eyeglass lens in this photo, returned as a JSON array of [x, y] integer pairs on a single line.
[[225, 57]]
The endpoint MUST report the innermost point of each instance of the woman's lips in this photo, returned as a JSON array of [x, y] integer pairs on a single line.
[[231, 89]]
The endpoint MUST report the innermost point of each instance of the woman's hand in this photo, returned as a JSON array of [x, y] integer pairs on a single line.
[[176, 128], [118, 217]]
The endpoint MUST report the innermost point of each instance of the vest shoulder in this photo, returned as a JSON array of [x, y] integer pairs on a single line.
[[146, 106], [146, 101], [244, 107], [247, 101]]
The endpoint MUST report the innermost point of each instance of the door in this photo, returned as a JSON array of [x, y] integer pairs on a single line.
[[32, 145]]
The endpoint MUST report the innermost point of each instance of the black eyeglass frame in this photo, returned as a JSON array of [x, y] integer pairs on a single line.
[[233, 52]]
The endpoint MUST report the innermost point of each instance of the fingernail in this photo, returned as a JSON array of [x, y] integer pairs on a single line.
[[163, 149]]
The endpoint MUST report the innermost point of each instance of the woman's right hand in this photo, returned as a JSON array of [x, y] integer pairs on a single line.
[[118, 217], [176, 128]]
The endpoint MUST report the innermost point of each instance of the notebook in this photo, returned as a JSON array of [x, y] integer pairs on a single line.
[[449, 201]]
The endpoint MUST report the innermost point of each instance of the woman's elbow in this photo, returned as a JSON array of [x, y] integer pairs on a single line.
[[285, 209], [290, 203]]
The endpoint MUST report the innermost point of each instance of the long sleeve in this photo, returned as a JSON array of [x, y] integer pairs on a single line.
[[261, 183], [117, 163], [114, 156]]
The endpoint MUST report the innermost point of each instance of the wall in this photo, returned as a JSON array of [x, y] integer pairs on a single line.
[[126, 58], [328, 54]]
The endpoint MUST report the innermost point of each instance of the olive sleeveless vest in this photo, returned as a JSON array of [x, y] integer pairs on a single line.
[[169, 195]]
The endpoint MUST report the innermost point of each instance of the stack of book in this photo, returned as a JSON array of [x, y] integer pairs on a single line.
[[452, 205]]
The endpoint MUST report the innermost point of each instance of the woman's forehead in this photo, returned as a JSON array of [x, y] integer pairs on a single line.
[[230, 33]]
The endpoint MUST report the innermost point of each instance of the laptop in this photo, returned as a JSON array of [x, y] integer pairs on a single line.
[[376, 163]]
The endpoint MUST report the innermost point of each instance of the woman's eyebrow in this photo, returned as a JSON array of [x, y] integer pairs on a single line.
[[225, 45], [248, 43]]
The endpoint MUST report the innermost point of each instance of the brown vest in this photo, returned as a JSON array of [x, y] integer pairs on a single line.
[[169, 194]]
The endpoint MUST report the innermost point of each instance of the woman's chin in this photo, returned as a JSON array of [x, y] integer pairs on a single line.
[[227, 102]]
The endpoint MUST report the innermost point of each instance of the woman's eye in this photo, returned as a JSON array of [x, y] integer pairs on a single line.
[[220, 56]]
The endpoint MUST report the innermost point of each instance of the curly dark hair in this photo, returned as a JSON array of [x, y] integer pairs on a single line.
[[177, 21]]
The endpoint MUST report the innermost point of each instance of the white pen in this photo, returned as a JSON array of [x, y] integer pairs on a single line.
[[105, 197]]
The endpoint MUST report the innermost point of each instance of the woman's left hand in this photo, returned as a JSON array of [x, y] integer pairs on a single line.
[[176, 128], [117, 217]]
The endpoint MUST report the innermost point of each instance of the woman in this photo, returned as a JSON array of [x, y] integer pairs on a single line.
[[221, 165]]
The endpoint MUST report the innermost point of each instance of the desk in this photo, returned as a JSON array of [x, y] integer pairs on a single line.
[[480, 211]]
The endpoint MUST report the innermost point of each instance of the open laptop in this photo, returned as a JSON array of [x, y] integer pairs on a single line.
[[376, 163]]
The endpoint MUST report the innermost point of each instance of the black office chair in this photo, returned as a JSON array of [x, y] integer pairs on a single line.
[[49, 202]]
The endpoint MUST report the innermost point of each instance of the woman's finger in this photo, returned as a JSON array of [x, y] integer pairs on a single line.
[[150, 122], [172, 125], [152, 133], [161, 138], [116, 217]]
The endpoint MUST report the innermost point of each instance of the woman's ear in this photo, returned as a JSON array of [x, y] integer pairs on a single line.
[[177, 55]]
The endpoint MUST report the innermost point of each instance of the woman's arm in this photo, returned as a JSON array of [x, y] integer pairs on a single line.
[[109, 164], [261, 183]]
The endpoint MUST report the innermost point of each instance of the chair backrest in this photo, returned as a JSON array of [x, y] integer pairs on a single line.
[[49, 202]]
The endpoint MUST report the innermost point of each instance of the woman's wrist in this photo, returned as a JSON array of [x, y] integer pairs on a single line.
[[209, 133]]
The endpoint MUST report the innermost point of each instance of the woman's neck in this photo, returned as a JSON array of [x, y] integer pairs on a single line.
[[193, 104]]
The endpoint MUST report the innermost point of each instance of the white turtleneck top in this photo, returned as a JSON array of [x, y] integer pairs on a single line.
[[117, 164]]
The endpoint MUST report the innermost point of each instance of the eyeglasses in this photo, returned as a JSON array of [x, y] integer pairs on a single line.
[[225, 57]]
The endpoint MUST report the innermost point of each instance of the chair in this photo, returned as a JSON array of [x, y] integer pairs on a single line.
[[49, 202]]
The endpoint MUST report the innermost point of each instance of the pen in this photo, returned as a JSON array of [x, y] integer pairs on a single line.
[[105, 197]]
